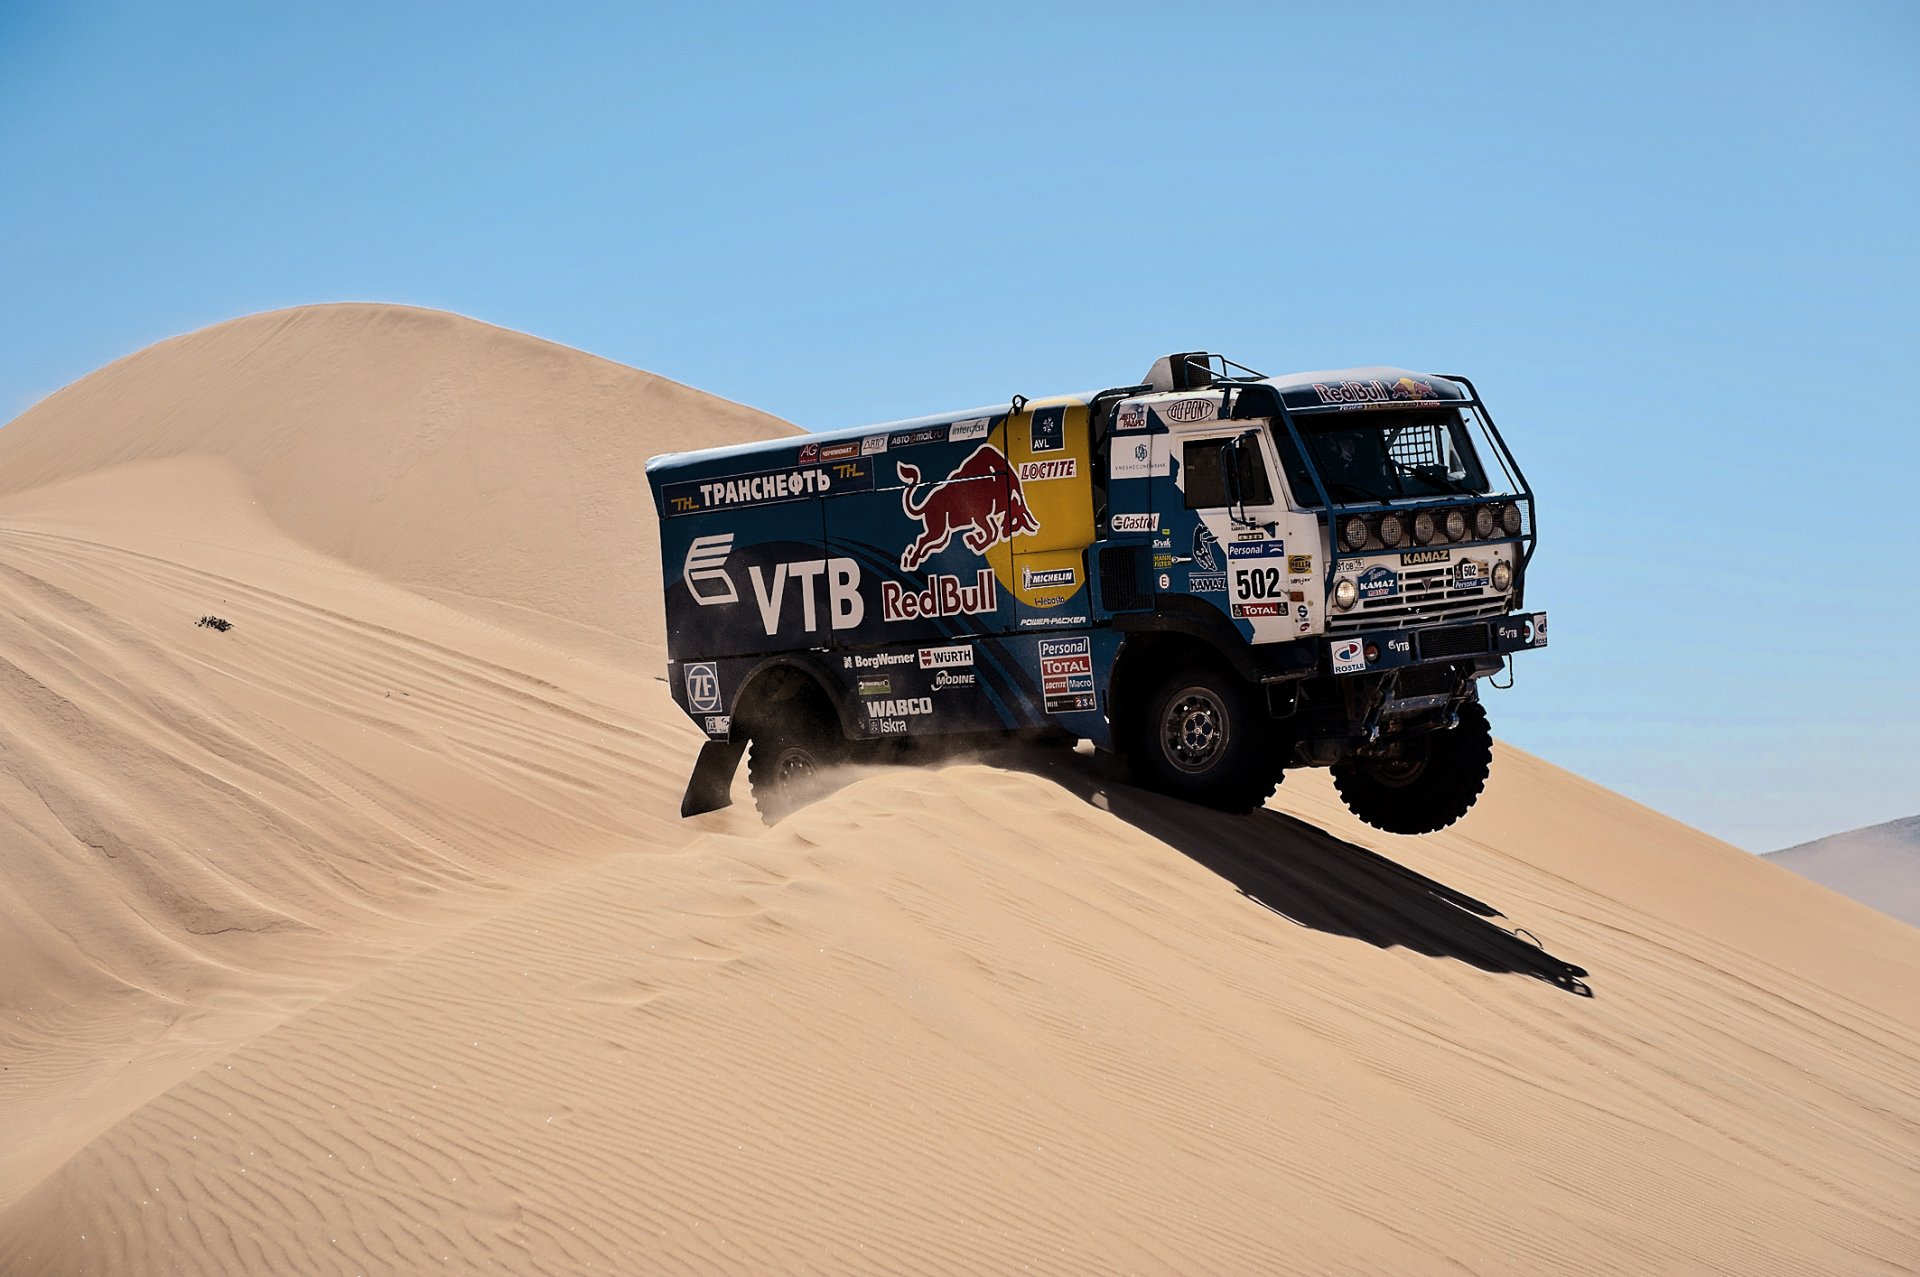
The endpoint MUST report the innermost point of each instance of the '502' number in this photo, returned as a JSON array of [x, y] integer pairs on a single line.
[[1259, 583]]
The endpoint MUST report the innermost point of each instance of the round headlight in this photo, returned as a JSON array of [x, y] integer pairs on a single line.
[[1502, 575], [1354, 532], [1393, 530], [1423, 528], [1345, 593], [1510, 520], [1456, 525], [1483, 523]]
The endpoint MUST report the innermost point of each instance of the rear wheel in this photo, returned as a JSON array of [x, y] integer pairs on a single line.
[[1426, 783], [793, 749], [1199, 735]]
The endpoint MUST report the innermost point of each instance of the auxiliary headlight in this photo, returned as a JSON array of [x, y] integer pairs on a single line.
[[1456, 525], [1483, 523], [1354, 532], [1423, 528], [1393, 530], [1502, 575], [1510, 520], [1345, 593]]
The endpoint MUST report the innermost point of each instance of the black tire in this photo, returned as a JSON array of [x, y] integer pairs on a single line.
[[791, 755], [1200, 735], [1434, 780]]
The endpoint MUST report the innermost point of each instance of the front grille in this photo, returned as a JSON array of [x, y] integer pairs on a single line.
[[1459, 640], [1446, 609], [1427, 680]]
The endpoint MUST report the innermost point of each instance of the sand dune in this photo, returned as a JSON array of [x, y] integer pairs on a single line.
[[363, 937], [1879, 866]]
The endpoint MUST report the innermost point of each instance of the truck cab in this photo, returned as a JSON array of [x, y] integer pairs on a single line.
[[1217, 574]]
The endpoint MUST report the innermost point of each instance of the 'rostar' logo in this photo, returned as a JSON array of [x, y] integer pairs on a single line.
[[706, 565], [981, 499]]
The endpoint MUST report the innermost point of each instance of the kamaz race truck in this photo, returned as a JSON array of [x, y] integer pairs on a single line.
[[1217, 574]]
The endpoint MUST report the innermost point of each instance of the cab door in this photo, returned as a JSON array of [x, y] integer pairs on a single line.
[[1226, 540]]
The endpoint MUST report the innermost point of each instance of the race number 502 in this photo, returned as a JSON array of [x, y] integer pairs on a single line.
[[1259, 583]]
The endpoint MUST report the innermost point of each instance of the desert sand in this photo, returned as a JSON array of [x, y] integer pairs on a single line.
[[363, 937]]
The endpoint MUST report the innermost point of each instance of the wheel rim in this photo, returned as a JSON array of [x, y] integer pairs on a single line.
[[1400, 771], [796, 768], [1194, 729]]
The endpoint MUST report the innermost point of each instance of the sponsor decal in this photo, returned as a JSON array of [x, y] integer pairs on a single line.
[[1249, 611], [844, 610], [705, 570], [1262, 549], [874, 660], [839, 451], [1036, 471], [901, 707], [1163, 543], [1303, 618], [809, 453], [1411, 557], [968, 430], [1300, 565], [1188, 411], [1132, 416], [1052, 622], [1539, 629], [703, 688], [1163, 560], [876, 687], [1203, 547], [1470, 574], [940, 658], [1045, 578], [1372, 391], [1131, 460], [1166, 582], [944, 596], [1349, 656], [1295, 596], [1066, 674], [873, 444], [1378, 583], [1049, 429], [969, 502], [1207, 582], [908, 438], [943, 679], [697, 495], [1134, 522], [1404, 646], [719, 725]]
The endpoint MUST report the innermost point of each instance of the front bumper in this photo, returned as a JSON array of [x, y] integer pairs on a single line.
[[1373, 651]]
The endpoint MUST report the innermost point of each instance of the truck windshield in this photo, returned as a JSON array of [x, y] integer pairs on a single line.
[[1366, 457]]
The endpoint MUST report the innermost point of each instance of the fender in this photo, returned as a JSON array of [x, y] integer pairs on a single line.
[[1195, 619]]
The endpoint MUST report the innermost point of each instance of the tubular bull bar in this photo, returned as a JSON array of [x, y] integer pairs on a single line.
[[1375, 651]]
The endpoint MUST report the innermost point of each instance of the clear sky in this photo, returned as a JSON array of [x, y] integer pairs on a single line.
[[1675, 246]]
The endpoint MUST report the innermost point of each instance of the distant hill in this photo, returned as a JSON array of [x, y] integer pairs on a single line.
[[1879, 866]]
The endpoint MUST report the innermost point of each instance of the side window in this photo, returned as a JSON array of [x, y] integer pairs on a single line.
[[1206, 486]]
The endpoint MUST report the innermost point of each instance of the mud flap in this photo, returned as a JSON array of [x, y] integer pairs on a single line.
[[712, 777]]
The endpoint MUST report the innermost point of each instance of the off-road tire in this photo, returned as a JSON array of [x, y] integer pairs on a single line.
[[1434, 785], [789, 757], [1201, 734]]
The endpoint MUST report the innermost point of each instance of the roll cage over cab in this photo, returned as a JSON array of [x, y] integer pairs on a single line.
[[1217, 574]]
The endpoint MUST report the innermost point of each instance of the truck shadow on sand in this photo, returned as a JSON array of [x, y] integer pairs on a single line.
[[1309, 876]]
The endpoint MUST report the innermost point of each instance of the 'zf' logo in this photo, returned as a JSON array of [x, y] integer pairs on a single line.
[[703, 688]]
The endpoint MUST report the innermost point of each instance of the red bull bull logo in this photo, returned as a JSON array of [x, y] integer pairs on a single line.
[[981, 501]]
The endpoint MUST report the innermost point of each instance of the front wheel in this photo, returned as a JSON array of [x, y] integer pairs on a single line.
[[1426, 783], [1200, 736]]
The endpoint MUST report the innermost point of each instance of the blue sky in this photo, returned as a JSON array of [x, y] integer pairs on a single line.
[[1673, 244]]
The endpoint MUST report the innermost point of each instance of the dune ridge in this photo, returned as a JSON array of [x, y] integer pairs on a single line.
[[363, 938]]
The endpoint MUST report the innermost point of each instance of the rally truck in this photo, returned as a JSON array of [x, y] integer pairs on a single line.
[[1216, 574]]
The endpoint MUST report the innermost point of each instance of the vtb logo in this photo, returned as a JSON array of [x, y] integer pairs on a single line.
[[705, 570], [982, 500]]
